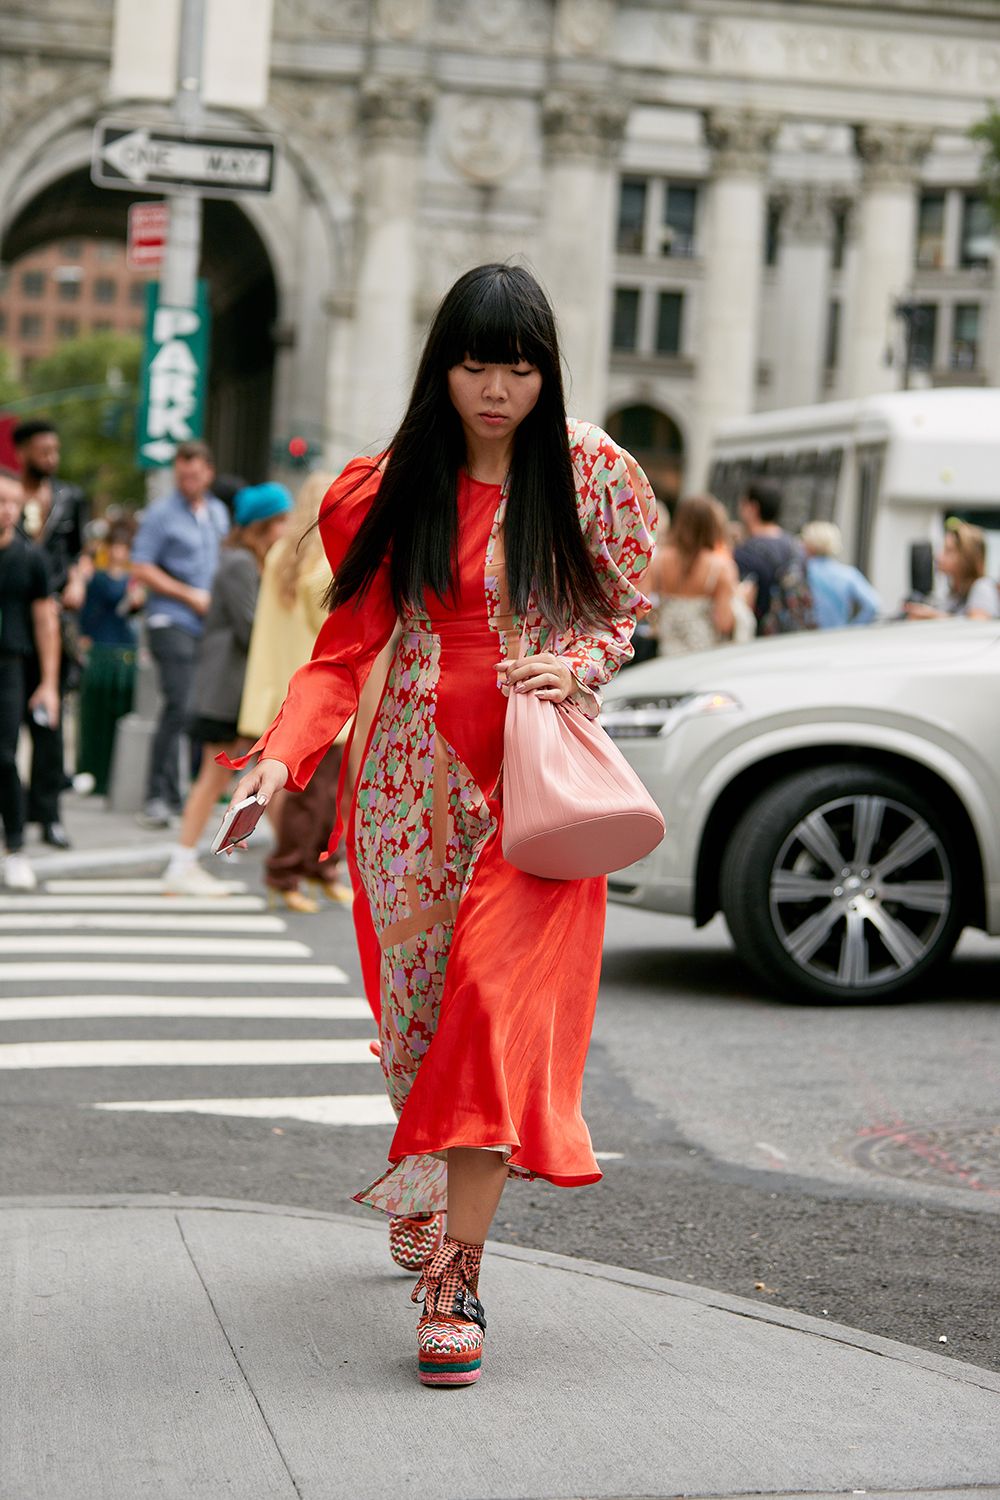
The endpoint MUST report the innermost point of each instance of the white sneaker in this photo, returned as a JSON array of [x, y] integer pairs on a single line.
[[192, 880], [18, 874]]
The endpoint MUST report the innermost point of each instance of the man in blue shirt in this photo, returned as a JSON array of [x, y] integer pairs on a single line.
[[841, 594], [175, 556]]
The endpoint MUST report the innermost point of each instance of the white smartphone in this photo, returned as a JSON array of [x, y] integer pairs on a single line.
[[238, 824]]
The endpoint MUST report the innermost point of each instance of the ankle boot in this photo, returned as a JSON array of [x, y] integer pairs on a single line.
[[412, 1240], [451, 1330]]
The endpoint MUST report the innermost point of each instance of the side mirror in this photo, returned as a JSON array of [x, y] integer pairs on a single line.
[[921, 568]]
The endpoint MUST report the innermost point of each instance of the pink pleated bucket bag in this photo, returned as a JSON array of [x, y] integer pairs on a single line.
[[572, 805]]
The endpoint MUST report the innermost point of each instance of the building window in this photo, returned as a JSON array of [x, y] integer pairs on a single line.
[[3, 321], [69, 290], [71, 249], [679, 209], [977, 231], [772, 234], [670, 308], [101, 325], [965, 336], [631, 215], [30, 326], [107, 250], [930, 232], [33, 283], [839, 248], [105, 289], [137, 294], [923, 335], [625, 325], [832, 350], [67, 328]]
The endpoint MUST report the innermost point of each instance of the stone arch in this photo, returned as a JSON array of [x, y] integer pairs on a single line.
[[274, 263], [657, 442]]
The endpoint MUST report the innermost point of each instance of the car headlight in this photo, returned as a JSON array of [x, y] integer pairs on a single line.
[[649, 717]]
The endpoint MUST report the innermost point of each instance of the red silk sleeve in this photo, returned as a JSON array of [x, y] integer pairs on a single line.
[[323, 694]]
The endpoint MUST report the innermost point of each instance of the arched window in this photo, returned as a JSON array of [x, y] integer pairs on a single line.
[[656, 442]]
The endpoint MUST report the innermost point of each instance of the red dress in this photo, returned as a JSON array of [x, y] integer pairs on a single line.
[[488, 977]]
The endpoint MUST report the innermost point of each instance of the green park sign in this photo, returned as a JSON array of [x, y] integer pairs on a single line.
[[173, 379]]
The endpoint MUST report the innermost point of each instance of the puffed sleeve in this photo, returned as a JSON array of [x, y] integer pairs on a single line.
[[323, 694], [618, 516]]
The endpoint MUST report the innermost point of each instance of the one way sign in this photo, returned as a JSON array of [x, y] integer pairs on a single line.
[[217, 164]]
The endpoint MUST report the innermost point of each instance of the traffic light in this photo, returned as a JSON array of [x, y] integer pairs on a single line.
[[297, 452]]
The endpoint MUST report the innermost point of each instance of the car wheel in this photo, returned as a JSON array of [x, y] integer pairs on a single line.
[[842, 882]]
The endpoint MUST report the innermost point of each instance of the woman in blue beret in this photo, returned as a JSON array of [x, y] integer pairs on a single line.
[[260, 515]]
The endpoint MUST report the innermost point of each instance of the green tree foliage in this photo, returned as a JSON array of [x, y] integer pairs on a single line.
[[10, 388], [987, 133], [89, 388]]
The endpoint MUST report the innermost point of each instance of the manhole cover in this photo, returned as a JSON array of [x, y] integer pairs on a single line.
[[963, 1155]]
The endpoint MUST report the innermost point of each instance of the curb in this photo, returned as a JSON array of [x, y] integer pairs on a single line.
[[836, 1333]]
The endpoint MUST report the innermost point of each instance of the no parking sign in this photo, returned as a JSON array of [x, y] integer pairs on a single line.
[[174, 369]]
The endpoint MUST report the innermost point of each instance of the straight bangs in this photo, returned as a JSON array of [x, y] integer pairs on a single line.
[[496, 322]]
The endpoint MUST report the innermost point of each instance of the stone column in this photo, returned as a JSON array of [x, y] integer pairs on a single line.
[[394, 113], [803, 295], [735, 214], [886, 234], [583, 132]]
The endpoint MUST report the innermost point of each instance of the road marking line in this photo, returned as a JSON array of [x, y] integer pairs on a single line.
[[316, 1109], [62, 1007], [771, 1150], [161, 903], [149, 973], [140, 922], [609, 1155], [183, 947], [123, 887], [301, 1052]]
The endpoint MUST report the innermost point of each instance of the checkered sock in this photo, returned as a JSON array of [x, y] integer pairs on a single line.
[[452, 1269]]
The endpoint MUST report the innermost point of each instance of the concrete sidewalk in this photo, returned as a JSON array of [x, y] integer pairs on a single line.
[[191, 1350]]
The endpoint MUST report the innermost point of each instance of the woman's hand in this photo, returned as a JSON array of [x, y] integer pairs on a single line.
[[266, 778], [545, 674], [916, 610]]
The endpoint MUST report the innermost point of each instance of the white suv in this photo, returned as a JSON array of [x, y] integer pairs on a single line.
[[836, 794]]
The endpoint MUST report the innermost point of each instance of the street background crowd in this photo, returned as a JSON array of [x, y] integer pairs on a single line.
[[223, 582]]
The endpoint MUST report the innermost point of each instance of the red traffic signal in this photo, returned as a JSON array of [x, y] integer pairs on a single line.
[[298, 447]]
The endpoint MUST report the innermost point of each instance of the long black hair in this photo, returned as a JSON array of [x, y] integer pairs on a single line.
[[494, 314]]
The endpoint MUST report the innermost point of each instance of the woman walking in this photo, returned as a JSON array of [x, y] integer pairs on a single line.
[[287, 620], [260, 514], [694, 578], [490, 521], [108, 638]]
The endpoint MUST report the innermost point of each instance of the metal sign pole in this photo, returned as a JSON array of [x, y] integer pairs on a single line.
[[179, 276]]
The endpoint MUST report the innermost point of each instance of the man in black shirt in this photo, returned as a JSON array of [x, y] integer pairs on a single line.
[[29, 634], [54, 515], [768, 557]]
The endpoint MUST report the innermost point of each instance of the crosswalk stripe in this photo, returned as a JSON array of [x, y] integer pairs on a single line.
[[316, 1109], [123, 887], [185, 947], [282, 1008], [160, 903], [90, 972], [300, 1052], [141, 922]]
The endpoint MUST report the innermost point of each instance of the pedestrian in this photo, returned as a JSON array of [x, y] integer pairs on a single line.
[[962, 561], [53, 518], [108, 640], [773, 564], [175, 556], [287, 620], [694, 578], [29, 648], [490, 523], [841, 594], [260, 514]]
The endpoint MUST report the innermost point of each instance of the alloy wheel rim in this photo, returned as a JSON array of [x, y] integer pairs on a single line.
[[860, 891]]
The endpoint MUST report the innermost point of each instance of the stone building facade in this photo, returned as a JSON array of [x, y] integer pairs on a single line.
[[727, 200]]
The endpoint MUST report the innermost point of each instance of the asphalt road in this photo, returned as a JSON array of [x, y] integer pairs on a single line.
[[844, 1162]]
